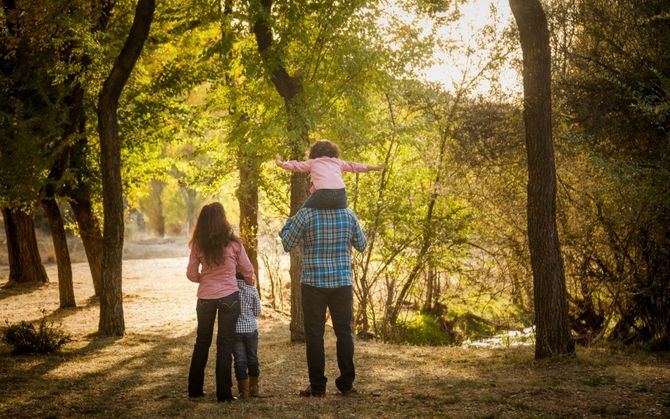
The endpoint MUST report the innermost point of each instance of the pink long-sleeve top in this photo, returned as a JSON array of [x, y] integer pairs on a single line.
[[326, 172], [219, 280]]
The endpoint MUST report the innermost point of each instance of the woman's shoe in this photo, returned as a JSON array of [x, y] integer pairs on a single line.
[[197, 395]]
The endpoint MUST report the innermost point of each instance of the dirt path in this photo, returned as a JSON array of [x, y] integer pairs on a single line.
[[144, 373]]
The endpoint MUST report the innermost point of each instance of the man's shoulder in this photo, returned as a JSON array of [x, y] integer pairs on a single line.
[[339, 212]]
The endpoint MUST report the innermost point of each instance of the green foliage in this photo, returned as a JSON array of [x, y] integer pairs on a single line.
[[25, 338], [426, 330]]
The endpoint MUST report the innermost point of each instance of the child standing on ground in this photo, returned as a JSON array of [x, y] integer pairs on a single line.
[[325, 168], [245, 348]]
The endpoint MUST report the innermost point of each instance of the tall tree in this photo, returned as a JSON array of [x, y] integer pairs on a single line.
[[552, 334], [111, 301], [25, 265], [59, 238], [290, 88], [30, 120], [79, 190]]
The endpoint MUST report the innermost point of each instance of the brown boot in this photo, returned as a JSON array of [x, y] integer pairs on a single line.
[[243, 388], [253, 386]]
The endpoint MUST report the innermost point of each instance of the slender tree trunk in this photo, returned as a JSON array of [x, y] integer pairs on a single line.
[[372, 233], [25, 264], [91, 237], [247, 198], [53, 213], [290, 89], [154, 208], [111, 301], [298, 136], [430, 285], [190, 197], [552, 334], [59, 238]]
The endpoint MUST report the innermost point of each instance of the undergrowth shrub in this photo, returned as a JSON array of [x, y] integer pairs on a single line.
[[426, 330], [26, 338]]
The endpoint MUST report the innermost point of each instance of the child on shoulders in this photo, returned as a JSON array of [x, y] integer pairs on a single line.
[[325, 169]]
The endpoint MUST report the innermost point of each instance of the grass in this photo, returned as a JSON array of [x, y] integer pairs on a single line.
[[144, 373]]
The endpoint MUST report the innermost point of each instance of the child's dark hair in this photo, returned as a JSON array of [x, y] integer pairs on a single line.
[[212, 233], [324, 148]]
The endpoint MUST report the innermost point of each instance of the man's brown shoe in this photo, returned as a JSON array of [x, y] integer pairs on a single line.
[[351, 392], [309, 391]]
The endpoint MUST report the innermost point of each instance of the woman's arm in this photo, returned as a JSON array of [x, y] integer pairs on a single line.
[[193, 268], [245, 267]]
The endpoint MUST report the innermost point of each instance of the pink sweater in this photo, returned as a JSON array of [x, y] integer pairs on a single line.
[[326, 172], [219, 280]]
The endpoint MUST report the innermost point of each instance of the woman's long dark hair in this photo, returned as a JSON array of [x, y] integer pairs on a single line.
[[212, 233]]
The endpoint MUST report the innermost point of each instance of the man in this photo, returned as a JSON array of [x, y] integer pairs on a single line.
[[326, 281]]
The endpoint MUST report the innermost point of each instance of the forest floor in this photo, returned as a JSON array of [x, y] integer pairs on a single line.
[[144, 373]]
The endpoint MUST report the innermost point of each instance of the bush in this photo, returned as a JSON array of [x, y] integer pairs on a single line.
[[428, 330], [25, 338]]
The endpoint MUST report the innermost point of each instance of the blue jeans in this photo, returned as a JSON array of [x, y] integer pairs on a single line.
[[228, 309], [245, 352], [327, 199]]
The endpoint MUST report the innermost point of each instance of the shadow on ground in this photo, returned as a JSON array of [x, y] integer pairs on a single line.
[[144, 373]]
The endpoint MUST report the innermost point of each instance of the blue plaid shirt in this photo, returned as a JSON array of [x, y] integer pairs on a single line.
[[327, 237], [250, 308]]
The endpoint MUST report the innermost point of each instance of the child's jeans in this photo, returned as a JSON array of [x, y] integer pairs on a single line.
[[327, 199], [245, 352]]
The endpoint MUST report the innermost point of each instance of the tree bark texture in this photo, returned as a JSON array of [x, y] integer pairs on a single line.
[[111, 301], [91, 236], [25, 264], [290, 89], [59, 238], [247, 198], [55, 218], [552, 334]]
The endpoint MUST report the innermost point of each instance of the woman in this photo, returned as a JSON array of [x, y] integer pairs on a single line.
[[216, 257]]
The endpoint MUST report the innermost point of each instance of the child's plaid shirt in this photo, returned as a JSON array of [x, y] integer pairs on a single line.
[[327, 237], [250, 308]]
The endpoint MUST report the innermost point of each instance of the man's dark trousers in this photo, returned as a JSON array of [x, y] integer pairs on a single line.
[[340, 303]]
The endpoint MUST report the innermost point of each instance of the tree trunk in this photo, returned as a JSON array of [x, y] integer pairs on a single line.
[[53, 214], [111, 301], [290, 89], [91, 237], [552, 334], [247, 198], [65, 286], [154, 207], [298, 136], [25, 264], [191, 199]]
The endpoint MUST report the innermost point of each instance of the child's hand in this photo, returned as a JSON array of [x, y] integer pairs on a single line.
[[379, 166], [278, 160]]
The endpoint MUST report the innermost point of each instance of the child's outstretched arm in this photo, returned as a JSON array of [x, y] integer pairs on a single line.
[[293, 165], [350, 166]]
